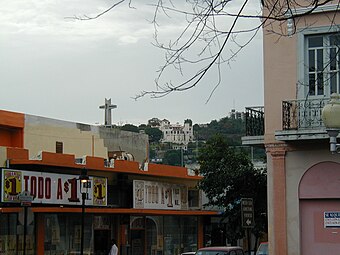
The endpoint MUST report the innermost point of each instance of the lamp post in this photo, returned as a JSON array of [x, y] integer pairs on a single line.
[[84, 186], [26, 199], [331, 119]]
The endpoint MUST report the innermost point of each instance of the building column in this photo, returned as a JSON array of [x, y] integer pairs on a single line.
[[40, 236], [277, 216]]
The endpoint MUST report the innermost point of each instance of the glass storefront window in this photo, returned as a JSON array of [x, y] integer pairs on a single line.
[[154, 235], [63, 234], [12, 234], [8, 240], [188, 233], [172, 235], [163, 235]]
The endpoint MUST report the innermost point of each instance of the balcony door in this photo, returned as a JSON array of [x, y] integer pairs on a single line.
[[322, 78], [323, 65]]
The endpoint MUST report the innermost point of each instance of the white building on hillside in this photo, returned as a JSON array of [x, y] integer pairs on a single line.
[[176, 133]]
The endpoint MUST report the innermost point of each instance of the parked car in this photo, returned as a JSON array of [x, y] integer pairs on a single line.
[[188, 253], [220, 250], [263, 249]]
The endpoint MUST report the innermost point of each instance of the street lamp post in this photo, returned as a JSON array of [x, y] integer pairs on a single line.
[[84, 186], [331, 119]]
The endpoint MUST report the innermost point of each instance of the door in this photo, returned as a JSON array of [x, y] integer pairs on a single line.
[[101, 242], [137, 241], [320, 227]]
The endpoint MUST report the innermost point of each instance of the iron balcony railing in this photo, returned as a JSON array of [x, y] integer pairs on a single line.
[[302, 114], [255, 121]]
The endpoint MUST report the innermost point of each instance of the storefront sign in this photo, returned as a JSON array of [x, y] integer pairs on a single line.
[[158, 195], [332, 219], [50, 188]]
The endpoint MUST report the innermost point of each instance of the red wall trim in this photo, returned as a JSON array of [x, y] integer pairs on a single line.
[[12, 119], [20, 157], [119, 211]]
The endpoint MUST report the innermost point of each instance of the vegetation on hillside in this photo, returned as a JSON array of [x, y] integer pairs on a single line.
[[230, 129]]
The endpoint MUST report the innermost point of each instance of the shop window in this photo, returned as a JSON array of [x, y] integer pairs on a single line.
[[154, 231], [63, 234], [189, 231], [12, 235], [172, 235]]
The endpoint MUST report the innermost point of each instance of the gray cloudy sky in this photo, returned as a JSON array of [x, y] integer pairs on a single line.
[[62, 68]]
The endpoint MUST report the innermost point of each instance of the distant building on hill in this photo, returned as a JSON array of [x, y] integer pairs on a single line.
[[174, 133], [236, 115]]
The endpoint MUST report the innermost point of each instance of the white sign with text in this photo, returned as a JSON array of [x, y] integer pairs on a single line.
[[51, 188], [159, 195]]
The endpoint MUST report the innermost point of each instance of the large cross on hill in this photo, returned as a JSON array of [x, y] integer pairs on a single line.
[[108, 107]]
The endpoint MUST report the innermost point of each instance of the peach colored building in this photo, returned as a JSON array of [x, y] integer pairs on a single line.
[[301, 70]]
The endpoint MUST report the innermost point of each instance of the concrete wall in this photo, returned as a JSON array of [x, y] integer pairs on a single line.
[[41, 134], [119, 140]]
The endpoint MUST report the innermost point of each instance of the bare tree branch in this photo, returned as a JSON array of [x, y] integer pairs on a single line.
[[86, 17], [211, 32]]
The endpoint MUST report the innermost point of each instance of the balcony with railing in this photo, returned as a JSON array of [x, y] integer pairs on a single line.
[[254, 126], [301, 119]]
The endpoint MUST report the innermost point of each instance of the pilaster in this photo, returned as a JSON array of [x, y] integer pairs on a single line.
[[276, 154]]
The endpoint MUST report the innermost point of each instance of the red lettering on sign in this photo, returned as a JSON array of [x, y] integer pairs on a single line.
[[74, 193], [34, 186], [60, 190], [40, 187], [26, 178], [48, 188]]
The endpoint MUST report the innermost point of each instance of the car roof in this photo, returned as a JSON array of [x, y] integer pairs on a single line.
[[221, 248]]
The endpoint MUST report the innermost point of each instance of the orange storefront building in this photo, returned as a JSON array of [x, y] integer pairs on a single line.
[[148, 208]]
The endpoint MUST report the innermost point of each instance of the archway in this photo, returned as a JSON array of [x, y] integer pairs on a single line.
[[319, 193]]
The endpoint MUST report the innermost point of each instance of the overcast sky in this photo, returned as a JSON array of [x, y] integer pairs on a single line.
[[63, 68]]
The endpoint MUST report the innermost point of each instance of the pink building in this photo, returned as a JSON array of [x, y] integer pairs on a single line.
[[301, 70]]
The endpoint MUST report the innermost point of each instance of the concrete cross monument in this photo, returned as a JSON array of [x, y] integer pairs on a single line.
[[108, 107]]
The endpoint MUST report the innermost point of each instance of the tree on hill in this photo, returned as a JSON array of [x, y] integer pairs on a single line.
[[130, 127], [231, 129], [228, 176], [173, 158], [155, 135]]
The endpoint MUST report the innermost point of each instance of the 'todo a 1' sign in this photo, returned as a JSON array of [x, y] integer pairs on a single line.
[[247, 212]]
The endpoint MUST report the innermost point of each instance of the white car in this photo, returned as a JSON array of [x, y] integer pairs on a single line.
[[263, 249]]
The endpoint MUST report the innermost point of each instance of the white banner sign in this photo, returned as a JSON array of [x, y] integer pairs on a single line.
[[51, 188], [158, 195], [332, 219]]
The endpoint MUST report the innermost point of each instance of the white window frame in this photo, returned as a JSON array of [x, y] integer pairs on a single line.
[[303, 71]]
